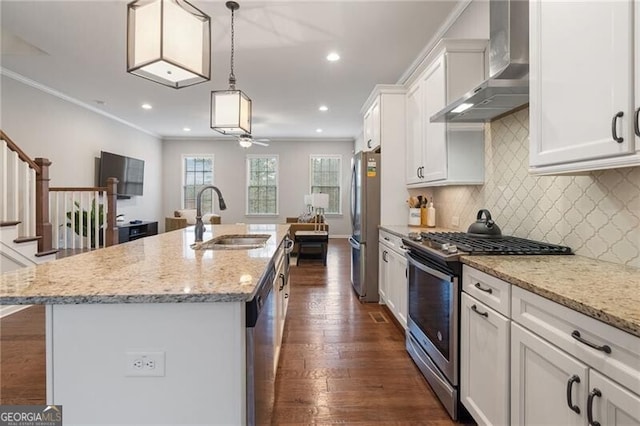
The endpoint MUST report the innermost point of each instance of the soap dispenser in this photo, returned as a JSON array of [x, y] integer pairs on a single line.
[[431, 215]]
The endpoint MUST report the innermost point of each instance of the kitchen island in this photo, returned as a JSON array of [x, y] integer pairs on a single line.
[[154, 299]]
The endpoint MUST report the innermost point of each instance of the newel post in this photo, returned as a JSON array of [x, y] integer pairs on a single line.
[[112, 211], [43, 226]]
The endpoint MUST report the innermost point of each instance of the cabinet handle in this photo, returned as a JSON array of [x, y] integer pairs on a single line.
[[286, 295], [384, 256], [604, 348], [474, 308], [614, 131], [573, 379], [387, 238], [486, 290], [636, 122], [595, 392], [369, 143], [418, 172], [283, 282]]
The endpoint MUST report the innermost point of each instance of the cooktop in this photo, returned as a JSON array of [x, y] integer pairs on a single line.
[[504, 245]]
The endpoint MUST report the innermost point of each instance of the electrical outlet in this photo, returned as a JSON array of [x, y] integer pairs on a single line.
[[455, 221], [144, 364]]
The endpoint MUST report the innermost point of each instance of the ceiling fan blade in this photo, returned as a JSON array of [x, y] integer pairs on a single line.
[[259, 143]]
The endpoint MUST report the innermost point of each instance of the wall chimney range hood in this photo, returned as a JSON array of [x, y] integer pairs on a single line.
[[508, 85]]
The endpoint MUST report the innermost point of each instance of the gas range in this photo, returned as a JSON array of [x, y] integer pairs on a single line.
[[450, 245]]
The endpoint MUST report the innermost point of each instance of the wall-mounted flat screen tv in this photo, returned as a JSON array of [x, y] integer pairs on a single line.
[[129, 171]]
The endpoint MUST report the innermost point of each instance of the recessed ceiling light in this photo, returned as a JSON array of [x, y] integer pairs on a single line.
[[146, 106], [186, 129], [332, 57], [318, 130], [323, 108]]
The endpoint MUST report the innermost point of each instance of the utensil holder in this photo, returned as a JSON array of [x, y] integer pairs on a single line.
[[414, 217]]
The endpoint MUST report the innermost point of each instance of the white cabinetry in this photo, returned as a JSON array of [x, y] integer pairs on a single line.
[[442, 153], [484, 347], [384, 122], [582, 104], [393, 276], [281, 288], [567, 368], [371, 128]]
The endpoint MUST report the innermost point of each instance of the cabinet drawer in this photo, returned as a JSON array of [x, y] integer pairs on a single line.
[[391, 240], [557, 323], [490, 290]]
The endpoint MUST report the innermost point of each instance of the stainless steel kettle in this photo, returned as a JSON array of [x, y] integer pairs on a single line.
[[484, 227]]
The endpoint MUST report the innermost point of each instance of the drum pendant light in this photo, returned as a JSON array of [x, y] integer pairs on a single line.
[[168, 42], [231, 109]]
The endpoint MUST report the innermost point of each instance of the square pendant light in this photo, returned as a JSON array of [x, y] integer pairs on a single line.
[[169, 42], [230, 112]]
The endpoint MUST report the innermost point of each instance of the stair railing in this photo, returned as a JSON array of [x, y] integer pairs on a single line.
[[18, 177], [84, 218], [25, 197]]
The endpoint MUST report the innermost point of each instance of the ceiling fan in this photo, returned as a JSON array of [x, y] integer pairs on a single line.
[[246, 140]]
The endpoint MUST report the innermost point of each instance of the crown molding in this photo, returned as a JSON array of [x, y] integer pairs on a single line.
[[46, 89]]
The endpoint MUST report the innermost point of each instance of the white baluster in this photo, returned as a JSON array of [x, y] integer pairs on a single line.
[[32, 201], [4, 199]]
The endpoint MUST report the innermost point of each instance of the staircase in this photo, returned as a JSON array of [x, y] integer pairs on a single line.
[[32, 214]]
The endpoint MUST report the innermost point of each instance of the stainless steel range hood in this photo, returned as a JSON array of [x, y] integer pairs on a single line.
[[508, 85]]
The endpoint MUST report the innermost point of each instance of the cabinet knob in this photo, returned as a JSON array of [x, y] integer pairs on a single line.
[[614, 130]]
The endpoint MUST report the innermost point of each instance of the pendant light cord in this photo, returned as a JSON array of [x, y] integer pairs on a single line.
[[232, 77]]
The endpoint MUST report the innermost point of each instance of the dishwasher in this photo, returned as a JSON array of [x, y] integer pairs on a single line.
[[261, 331]]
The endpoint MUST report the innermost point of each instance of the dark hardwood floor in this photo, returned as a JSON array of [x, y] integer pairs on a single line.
[[341, 361]]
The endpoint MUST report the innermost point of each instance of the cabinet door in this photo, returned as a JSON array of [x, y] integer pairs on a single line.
[[400, 280], [435, 134], [581, 77], [484, 362], [414, 166], [375, 126], [613, 405], [383, 273], [540, 376]]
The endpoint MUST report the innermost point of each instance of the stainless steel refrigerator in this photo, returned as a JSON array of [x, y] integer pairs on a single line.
[[365, 218]]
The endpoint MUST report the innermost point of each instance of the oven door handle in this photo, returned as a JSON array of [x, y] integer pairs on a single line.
[[416, 262]]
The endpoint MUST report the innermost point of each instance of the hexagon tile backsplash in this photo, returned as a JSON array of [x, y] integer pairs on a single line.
[[597, 214]]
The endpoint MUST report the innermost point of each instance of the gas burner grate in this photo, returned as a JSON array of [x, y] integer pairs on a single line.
[[502, 245]]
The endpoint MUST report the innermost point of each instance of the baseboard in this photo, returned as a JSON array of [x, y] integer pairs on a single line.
[[7, 310]]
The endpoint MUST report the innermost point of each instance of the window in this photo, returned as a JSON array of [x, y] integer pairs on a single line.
[[262, 185], [326, 177], [198, 172]]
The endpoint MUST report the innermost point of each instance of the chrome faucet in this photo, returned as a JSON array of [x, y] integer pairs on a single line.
[[199, 224]]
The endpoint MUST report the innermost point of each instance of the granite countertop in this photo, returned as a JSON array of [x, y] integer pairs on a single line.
[[605, 291], [158, 269]]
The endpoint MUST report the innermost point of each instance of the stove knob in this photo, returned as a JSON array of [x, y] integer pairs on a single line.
[[452, 249]]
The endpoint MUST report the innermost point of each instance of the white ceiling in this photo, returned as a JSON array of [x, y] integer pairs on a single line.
[[78, 48]]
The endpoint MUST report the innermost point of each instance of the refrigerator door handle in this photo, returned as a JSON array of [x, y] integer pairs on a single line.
[[354, 243], [354, 194]]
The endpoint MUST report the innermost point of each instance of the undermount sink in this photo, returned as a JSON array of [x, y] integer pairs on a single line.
[[233, 242]]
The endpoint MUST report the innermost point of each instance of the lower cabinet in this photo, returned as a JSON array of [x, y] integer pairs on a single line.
[[392, 276], [484, 362], [542, 378], [542, 363]]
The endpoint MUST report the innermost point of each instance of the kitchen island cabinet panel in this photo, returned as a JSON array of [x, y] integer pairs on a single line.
[[203, 344]]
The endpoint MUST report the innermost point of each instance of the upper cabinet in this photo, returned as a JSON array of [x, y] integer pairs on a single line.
[[582, 84], [371, 128], [443, 153]]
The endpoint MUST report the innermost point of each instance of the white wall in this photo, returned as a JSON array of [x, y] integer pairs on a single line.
[[230, 170], [472, 23], [71, 136]]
